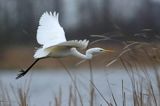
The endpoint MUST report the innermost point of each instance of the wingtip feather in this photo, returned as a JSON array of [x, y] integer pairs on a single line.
[[49, 25]]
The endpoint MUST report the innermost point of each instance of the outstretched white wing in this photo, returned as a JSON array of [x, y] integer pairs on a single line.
[[50, 32], [81, 44]]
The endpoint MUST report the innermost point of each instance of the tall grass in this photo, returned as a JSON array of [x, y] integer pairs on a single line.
[[15, 96], [136, 61], [136, 58]]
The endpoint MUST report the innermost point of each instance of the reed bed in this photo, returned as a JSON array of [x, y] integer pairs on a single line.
[[136, 58]]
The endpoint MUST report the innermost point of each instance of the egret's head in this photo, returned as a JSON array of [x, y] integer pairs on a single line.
[[98, 50]]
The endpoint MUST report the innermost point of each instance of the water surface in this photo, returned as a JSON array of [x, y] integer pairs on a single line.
[[45, 85]]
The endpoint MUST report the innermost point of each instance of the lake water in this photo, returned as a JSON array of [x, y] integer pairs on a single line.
[[45, 85]]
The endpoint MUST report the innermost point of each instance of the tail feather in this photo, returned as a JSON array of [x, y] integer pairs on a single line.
[[41, 52]]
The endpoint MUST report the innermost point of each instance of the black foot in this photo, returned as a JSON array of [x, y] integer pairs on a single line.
[[21, 74]]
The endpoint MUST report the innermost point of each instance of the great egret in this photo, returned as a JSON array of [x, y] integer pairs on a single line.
[[51, 36]]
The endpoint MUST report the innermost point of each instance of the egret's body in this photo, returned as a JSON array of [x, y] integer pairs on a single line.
[[51, 37], [62, 49]]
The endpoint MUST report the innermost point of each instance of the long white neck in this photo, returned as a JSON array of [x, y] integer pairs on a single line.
[[88, 55]]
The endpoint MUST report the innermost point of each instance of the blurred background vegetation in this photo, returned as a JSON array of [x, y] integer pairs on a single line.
[[79, 18]]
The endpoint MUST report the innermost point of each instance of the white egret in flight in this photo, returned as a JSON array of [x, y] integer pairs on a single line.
[[51, 37]]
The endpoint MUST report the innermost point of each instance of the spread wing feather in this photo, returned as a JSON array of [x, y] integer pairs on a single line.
[[81, 44], [50, 32]]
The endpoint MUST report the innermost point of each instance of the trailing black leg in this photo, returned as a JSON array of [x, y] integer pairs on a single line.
[[23, 72]]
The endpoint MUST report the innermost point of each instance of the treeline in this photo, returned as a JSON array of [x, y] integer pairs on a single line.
[[19, 18]]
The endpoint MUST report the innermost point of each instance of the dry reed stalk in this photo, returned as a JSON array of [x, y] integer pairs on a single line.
[[58, 99], [100, 93], [92, 93], [73, 81], [70, 96], [123, 95]]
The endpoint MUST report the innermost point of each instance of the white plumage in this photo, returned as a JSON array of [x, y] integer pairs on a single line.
[[50, 32], [51, 37]]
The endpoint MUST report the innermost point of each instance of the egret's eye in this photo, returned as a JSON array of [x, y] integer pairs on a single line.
[[101, 50]]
